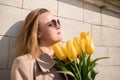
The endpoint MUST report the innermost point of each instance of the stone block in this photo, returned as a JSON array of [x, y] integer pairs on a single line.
[[95, 2], [112, 5], [110, 19], [16, 3], [101, 52], [48, 4], [114, 54], [72, 9], [92, 14], [5, 74], [11, 20], [12, 52], [108, 73], [72, 28], [105, 36], [4, 45]]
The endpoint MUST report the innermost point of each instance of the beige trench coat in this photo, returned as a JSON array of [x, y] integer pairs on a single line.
[[26, 68]]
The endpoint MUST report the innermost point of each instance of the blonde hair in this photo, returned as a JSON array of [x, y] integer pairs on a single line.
[[28, 40]]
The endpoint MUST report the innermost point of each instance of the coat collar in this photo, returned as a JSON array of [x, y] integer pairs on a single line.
[[45, 62]]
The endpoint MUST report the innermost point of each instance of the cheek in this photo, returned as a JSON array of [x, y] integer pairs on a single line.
[[56, 37], [46, 34], [52, 36]]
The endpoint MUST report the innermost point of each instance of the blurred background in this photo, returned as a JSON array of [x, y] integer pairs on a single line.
[[99, 17]]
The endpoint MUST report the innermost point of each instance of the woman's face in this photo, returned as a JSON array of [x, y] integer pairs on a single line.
[[49, 28]]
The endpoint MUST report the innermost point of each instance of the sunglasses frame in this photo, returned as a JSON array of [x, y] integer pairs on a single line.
[[54, 22]]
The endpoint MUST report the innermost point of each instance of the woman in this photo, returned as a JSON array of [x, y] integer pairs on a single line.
[[35, 62]]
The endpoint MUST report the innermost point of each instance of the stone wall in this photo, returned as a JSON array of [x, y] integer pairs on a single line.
[[76, 16]]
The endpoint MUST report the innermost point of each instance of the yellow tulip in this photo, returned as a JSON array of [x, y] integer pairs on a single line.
[[90, 47], [72, 53], [84, 34], [82, 45], [79, 43], [65, 51], [58, 49]]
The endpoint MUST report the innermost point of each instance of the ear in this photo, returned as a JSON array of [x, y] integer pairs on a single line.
[[39, 35]]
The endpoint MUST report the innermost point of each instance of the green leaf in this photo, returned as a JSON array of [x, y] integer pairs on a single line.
[[98, 59], [67, 72], [94, 72], [89, 76], [73, 68], [92, 66], [88, 60], [93, 63]]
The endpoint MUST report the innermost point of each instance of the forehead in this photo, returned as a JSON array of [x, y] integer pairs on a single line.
[[46, 17]]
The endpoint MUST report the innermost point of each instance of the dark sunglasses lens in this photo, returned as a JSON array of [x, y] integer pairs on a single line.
[[58, 22], [54, 22]]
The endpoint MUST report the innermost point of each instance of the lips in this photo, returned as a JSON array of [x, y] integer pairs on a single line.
[[59, 32]]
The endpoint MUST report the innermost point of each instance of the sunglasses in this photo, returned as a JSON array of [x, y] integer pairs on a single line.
[[54, 23]]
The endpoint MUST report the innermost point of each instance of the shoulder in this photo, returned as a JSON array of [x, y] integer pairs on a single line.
[[22, 67], [22, 64], [23, 60]]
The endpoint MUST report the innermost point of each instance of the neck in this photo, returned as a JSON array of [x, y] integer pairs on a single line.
[[46, 48]]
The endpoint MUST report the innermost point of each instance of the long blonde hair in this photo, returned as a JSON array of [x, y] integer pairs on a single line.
[[28, 40]]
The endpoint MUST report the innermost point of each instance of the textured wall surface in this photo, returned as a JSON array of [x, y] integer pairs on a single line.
[[76, 16]]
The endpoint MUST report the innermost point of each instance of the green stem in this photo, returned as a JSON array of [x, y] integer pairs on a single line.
[[74, 76], [78, 71]]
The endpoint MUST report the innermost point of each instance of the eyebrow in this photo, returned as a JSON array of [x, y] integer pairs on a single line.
[[49, 21]]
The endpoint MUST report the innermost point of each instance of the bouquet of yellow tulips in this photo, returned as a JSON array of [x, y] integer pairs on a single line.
[[74, 59]]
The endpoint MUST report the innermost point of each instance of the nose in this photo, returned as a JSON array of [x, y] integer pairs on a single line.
[[58, 26]]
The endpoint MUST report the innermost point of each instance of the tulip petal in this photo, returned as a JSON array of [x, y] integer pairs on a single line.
[[71, 49], [58, 49]]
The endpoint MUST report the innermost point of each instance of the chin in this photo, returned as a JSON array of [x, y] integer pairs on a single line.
[[56, 41], [59, 40]]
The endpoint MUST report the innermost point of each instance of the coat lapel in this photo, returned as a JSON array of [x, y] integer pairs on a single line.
[[45, 62]]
